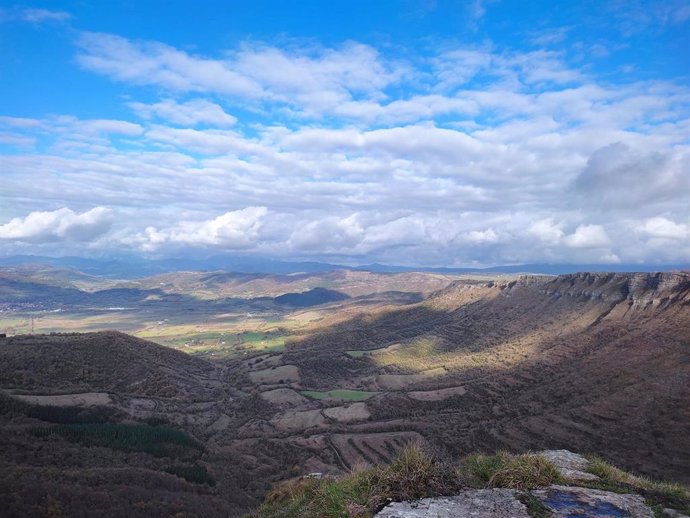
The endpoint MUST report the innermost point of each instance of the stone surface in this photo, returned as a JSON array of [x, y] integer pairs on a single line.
[[672, 513], [563, 501], [479, 503], [571, 465], [566, 502]]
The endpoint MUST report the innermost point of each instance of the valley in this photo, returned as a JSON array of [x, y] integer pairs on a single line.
[[263, 391]]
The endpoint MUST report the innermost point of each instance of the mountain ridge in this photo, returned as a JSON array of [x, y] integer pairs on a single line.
[[137, 267]]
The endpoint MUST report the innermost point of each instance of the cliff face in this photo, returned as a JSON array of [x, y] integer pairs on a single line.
[[639, 290], [596, 362], [636, 290]]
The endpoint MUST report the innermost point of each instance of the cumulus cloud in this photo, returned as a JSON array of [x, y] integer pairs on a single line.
[[588, 236], [59, 225], [547, 231], [481, 236], [233, 230], [330, 235], [660, 227]]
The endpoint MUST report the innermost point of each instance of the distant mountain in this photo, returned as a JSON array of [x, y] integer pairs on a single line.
[[135, 267]]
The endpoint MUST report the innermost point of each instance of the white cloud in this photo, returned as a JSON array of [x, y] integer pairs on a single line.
[[189, 113], [472, 156], [660, 227], [312, 79], [233, 230], [59, 225], [153, 63], [329, 235], [588, 236], [547, 231], [33, 15], [481, 236]]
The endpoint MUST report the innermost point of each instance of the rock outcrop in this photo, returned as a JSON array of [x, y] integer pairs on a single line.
[[561, 501]]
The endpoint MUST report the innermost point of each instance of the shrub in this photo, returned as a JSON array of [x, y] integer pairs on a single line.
[[67, 415], [191, 473], [159, 441], [54, 414]]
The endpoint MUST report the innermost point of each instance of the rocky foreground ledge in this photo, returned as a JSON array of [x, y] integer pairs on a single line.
[[558, 501], [546, 484]]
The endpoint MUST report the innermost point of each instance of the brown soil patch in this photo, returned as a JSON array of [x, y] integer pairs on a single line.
[[295, 421], [285, 397], [282, 374], [349, 413]]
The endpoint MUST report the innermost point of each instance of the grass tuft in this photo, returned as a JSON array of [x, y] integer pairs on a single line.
[[414, 474], [657, 493], [535, 507], [525, 471]]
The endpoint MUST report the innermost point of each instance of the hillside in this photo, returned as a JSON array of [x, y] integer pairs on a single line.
[[103, 362], [595, 363]]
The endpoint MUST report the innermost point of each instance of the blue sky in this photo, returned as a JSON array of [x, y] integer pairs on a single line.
[[412, 132]]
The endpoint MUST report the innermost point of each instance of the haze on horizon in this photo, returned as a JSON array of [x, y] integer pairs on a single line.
[[418, 132]]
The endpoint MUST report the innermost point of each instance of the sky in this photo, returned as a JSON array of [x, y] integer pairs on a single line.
[[408, 132]]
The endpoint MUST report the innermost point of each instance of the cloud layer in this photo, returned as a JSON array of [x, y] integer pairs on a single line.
[[460, 155]]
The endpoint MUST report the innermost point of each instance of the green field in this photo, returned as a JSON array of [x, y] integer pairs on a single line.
[[221, 343], [339, 394]]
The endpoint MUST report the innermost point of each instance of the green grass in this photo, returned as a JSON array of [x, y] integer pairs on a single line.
[[160, 441], [524, 471], [414, 474], [657, 493], [339, 394], [535, 507]]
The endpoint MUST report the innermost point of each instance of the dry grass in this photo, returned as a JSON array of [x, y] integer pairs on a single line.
[[524, 471], [670, 494], [413, 475]]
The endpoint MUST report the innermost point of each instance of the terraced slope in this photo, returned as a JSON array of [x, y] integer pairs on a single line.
[[593, 362], [598, 362]]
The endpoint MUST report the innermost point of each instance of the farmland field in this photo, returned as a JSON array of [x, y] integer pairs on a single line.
[[339, 395]]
